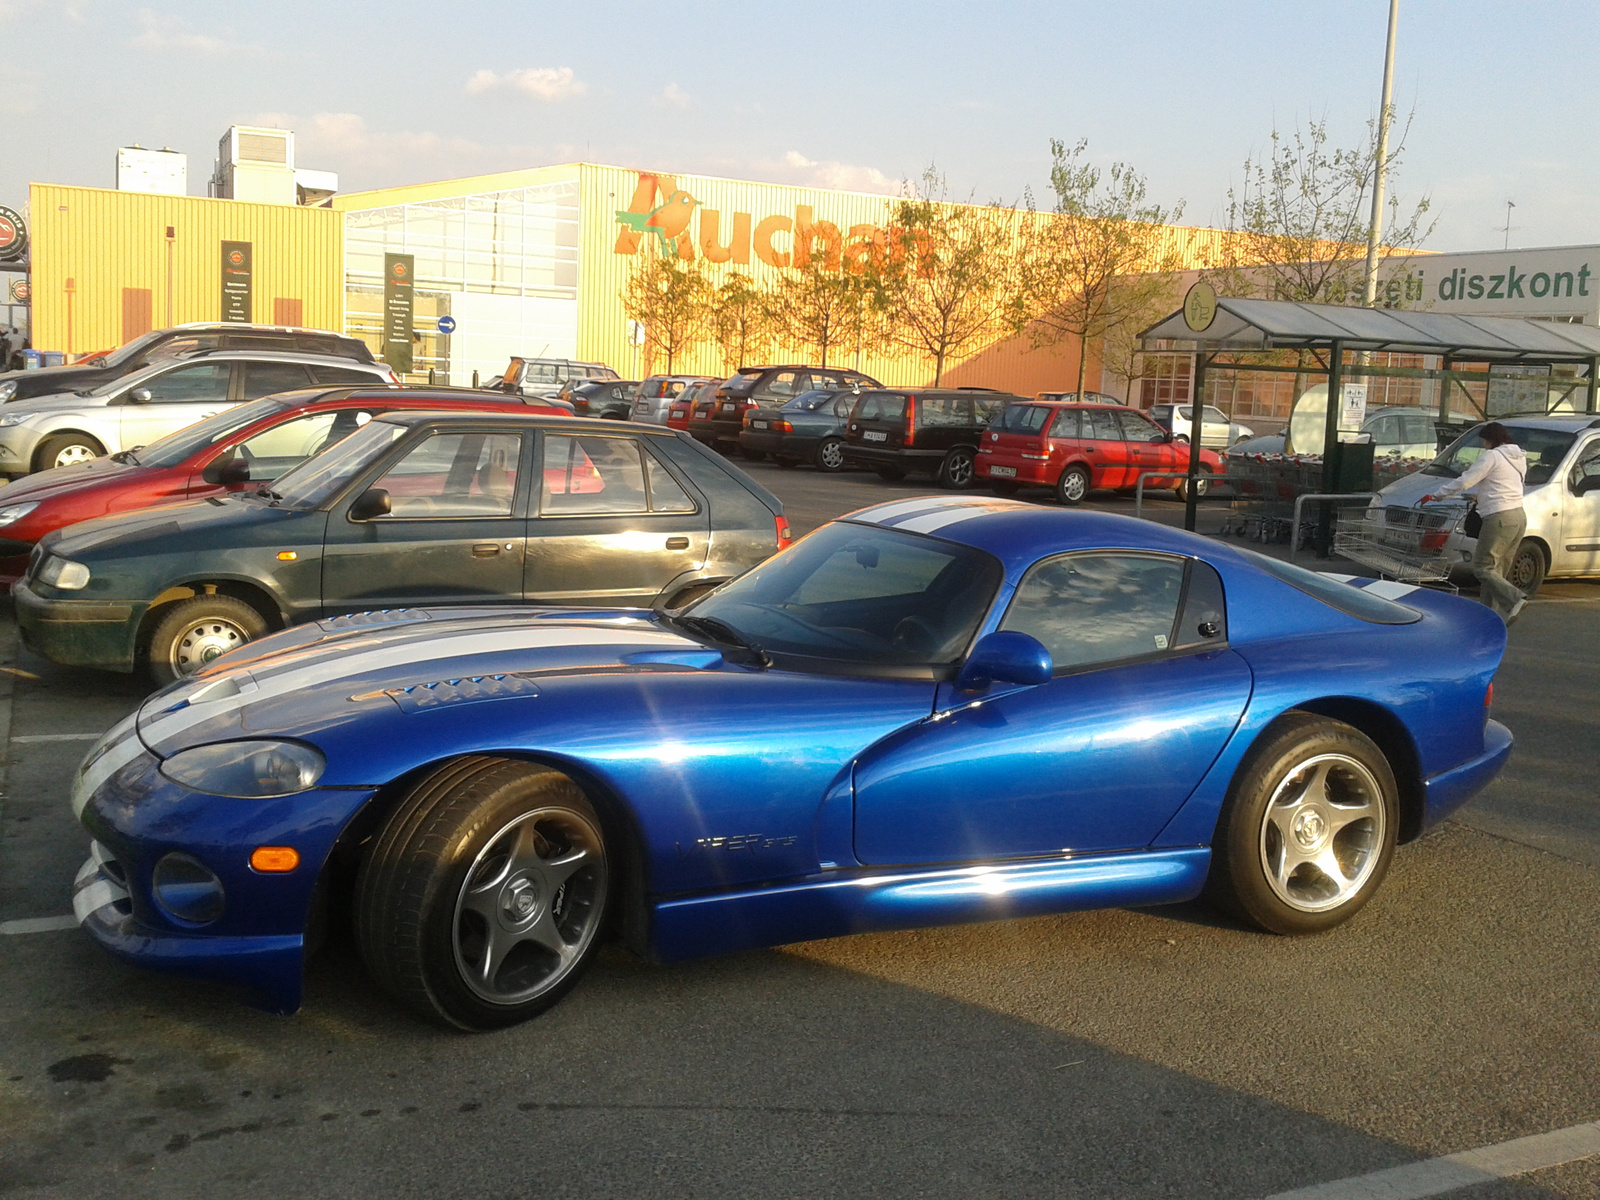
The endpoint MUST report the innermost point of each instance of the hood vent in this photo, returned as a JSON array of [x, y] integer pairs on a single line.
[[421, 697], [366, 620]]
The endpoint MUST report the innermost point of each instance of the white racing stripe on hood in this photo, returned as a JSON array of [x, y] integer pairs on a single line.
[[1389, 589], [116, 749], [324, 672]]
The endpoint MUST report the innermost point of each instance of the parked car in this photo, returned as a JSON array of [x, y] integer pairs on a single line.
[[896, 432], [1074, 398], [166, 343], [809, 428], [413, 509], [605, 398], [1215, 427], [1077, 448], [696, 396], [1122, 714], [768, 387], [137, 409], [655, 395], [545, 377], [238, 448], [1561, 498]]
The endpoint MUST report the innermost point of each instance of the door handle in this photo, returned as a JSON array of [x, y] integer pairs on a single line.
[[677, 543], [485, 550]]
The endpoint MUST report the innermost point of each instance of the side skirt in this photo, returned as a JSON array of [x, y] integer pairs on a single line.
[[729, 921]]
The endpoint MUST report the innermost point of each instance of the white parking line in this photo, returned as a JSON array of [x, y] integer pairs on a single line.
[[38, 925], [55, 737], [1435, 1176]]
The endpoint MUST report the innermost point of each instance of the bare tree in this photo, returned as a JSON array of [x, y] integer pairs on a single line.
[[1097, 266], [818, 306], [947, 281], [739, 320], [672, 301], [1122, 353]]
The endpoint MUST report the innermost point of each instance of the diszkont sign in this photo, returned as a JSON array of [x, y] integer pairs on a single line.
[[1557, 282]]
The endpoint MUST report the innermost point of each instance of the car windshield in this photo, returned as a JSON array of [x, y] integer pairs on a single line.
[[136, 379], [176, 447], [861, 594], [808, 401], [314, 480], [133, 350], [1545, 449]]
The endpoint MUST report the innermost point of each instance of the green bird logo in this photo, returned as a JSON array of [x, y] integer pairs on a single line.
[[666, 220]]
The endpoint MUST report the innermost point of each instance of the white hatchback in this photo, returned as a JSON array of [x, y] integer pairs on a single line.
[[57, 431]]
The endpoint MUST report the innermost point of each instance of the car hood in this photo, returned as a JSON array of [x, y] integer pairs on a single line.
[[47, 485], [183, 519], [54, 402], [313, 681]]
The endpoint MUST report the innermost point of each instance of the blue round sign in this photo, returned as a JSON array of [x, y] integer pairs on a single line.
[[447, 324]]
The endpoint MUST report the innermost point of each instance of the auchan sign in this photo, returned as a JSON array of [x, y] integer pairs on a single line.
[[665, 212]]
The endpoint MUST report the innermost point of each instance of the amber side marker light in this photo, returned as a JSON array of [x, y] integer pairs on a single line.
[[274, 860], [287, 556]]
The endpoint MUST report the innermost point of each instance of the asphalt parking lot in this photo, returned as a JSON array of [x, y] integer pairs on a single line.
[[1133, 1053]]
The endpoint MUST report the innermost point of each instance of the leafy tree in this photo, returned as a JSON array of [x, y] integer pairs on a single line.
[[739, 320], [947, 280], [672, 300], [818, 306], [1098, 265], [1122, 352]]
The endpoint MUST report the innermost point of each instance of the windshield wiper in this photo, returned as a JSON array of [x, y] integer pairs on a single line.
[[719, 631], [125, 456], [264, 490]]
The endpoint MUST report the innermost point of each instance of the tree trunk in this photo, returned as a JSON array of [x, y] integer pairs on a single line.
[[938, 368], [1083, 361]]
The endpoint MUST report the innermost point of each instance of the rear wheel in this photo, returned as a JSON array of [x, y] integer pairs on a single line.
[[830, 454], [891, 474], [1308, 829], [65, 449], [1528, 568], [196, 631], [957, 471], [481, 901], [1200, 486], [1073, 484]]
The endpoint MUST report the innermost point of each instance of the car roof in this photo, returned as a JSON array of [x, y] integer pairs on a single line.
[[259, 355], [1578, 421], [235, 327], [502, 417]]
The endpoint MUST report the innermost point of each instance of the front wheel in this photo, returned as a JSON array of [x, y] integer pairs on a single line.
[[830, 455], [1527, 568], [481, 901], [196, 631], [957, 471], [1308, 829], [66, 449]]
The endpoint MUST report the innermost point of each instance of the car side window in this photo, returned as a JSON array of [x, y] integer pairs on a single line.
[[1065, 424], [344, 376], [191, 385], [985, 409], [1095, 608], [1136, 429], [1100, 425], [782, 383], [1586, 467], [591, 476], [455, 475], [1417, 429], [666, 493], [843, 405], [265, 378], [937, 411]]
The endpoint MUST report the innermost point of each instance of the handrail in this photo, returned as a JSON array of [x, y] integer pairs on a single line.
[[1138, 490], [1294, 530]]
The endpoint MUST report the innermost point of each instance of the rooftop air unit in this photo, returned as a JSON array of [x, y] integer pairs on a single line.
[[255, 164], [163, 172]]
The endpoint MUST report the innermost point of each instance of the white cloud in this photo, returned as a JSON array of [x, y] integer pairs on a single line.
[[542, 83], [672, 96], [795, 167], [162, 34]]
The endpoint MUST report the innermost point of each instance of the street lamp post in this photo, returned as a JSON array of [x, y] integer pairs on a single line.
[[1375, 234]]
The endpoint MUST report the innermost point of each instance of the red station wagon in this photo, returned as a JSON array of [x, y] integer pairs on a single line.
[[1075, 448], [240, 448]]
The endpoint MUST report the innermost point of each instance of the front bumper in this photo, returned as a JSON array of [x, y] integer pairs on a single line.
[[16, 450], [78, 633], [137, 816]]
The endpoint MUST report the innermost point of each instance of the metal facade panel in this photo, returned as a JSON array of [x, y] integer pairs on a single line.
[[102, 241]]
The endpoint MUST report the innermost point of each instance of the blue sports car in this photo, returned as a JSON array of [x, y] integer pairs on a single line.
[[931, 711]]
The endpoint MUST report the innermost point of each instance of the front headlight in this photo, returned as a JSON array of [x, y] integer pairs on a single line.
[[15, 512], [8, 389], [10, 419], [247, 770], [63, 573]]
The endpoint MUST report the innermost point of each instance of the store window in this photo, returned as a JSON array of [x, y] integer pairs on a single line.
[[1165, 379]]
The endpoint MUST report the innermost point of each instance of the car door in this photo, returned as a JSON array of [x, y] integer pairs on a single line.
[[1104, 447], [613, 524], [455, 532], [1580, 513], [1145, 695], [1146, 447], [177, 397]]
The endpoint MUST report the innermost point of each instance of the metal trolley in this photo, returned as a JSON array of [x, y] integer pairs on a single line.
[[1408, 544]]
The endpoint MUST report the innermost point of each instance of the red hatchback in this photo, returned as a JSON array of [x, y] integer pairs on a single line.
[[1075, 448], [243, 447]]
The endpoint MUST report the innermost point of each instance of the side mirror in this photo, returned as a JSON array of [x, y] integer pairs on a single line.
[[227, 471], [374, 502], [1006, 657], [139, 396]]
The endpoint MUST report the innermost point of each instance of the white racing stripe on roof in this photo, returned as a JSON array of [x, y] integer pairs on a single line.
[[928, 522], [1389, 589], [879, 513]]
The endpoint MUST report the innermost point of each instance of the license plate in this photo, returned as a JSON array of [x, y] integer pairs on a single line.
[[758, 424], [1003, 472], [705, 416], [874, 435]]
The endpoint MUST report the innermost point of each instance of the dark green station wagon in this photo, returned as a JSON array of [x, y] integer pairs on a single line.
[[412, 510]]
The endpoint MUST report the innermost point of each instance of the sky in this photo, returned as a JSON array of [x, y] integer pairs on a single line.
[[860, 95]]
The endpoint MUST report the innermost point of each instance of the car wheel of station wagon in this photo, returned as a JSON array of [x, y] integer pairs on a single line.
[[830, 455], [481, 901], [1528, 568], [1073, 485], [65, 449], [1308, 829], [957, 469], [194, 632], [1200, 488]]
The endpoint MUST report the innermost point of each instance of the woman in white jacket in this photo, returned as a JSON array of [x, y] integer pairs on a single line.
[[1497, 478]]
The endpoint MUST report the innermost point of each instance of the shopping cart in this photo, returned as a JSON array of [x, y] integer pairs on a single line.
[[1405, 543]]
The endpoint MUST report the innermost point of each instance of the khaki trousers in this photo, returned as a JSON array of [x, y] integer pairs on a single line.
[[1491, 561]]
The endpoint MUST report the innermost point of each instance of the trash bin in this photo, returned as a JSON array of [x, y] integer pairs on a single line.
[[53, 358], [30, 360], [1352, 466]]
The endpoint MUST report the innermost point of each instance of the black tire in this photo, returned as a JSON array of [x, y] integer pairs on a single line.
[[1258, 875], [958, 470], [1003, 487], [417, 924], [1528, 568], [193, 632], [1201, 486], [64, 449], [829, 455], [891, 474], [1072, 485]]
